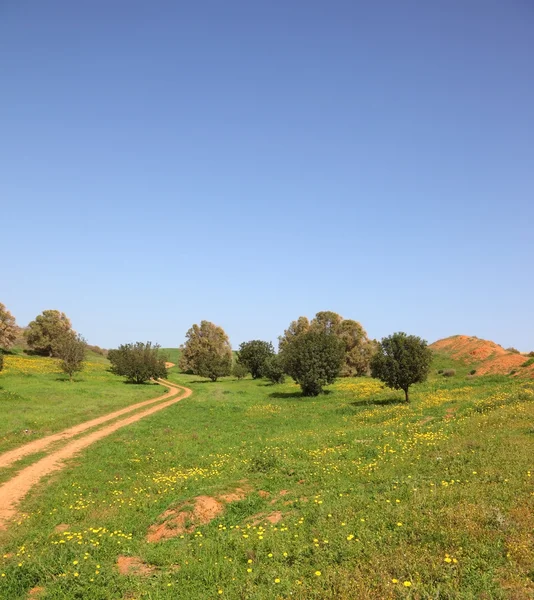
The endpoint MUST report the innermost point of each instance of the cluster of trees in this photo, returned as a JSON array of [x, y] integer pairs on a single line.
[[314, 353], [50, 334]]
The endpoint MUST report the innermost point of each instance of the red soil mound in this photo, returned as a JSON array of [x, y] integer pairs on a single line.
[[490, 358]]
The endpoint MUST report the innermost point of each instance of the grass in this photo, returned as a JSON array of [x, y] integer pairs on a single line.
[[37, 399], [378, 499]]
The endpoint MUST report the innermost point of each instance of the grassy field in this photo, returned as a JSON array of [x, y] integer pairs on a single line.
[[37, 399], [350, 495]]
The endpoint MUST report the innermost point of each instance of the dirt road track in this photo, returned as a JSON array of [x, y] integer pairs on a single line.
[[12, 492]]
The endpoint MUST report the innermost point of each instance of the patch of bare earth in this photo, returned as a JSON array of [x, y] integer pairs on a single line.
[[189, 515], [61, 527], [36, 592], [133, 565], [274, 518]]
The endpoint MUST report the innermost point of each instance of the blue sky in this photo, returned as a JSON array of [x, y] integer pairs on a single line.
[[249, 162]]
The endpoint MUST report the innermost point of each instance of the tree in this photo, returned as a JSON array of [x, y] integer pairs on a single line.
[[358, 348], [296, 328], [253, 355], [138, 362], [1, 360], [401, 360], [8, 328], [207, 351], [274, 369], [313, 359], [239, 371], [72, 350], [45, 333]]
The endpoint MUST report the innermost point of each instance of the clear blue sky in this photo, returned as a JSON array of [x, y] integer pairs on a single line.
[[249, 162]]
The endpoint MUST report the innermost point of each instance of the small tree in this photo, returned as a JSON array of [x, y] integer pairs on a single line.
[[253, 355], [46, 332], [274, 369], [401, 360], [8, 328], [207, 351], [239, 371], [1, 360], [138, 362], [313, 359], [72, 350]]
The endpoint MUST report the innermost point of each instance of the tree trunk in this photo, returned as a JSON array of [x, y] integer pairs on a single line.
[[406, 395]]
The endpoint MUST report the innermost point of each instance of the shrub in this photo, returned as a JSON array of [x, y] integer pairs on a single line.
[[138, 362], [207, 351], [401, 360], [531, 353], [239, 371], [253, 355], [449, 373], [1, 360], [528, 362], [513, 350], [71, 349], [440, 371], [472, 372], [313, 359], [274, 369]]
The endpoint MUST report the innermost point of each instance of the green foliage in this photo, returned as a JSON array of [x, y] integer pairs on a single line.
[[450, 373], [138, 362], [1, 360], [528, 362], [401, 360], [207, 351], [8, 328], [274, 369], [313, 359], [72, 350], [472, 371], [358, 348], [45, 333], [253, 355], [239, 371], [512, 350]]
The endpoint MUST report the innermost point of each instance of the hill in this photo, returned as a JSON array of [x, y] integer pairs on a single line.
[[487, 357]]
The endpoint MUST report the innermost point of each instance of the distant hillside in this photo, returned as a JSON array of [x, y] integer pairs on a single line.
[[487, 357]]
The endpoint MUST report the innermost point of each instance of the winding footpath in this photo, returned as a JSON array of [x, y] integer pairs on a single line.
[[14, 490]]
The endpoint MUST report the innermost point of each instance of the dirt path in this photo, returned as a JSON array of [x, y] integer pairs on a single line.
[[8, 458], [12, 492]]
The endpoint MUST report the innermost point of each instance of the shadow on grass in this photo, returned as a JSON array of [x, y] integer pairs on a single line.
[[298, 394], [378, 401], [73, 380]]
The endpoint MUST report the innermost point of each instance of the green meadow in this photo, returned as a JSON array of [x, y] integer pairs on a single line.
[[353, 494]]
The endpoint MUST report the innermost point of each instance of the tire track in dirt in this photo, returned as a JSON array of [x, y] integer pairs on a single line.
[[14, 490], [11, 456]]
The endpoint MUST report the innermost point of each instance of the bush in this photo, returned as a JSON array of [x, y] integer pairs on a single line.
[[472, 372], [71, 349], [401, 360], [528, 362], [253, 355], [449, 373], [1, 360], [239, 371], [138, 362], [440, 371], [274, 369], [513, 350], [313, 359], [531, 353]]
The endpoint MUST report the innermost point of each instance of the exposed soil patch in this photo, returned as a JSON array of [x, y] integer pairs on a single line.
[[425, 420], [189, 515], [501, 365], [274, 518], [61, 527], [133, 565], [35, 592], [263, 494]]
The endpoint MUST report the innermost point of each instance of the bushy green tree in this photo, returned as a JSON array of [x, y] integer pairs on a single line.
[[401, 360], [72, 350], [274, 369], [8, 328], [207, 351], [253, 355], [313, 359], [239, 371], [138, 362], [45, 333], [358, 347]]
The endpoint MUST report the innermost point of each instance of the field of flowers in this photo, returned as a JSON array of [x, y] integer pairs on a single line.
[[259, 493]]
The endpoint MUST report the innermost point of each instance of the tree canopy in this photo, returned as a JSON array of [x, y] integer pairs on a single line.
[[138, 362], [207, 351], [45, 333], [401, 360], [253, 355], [72, 350], [8, 328]]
